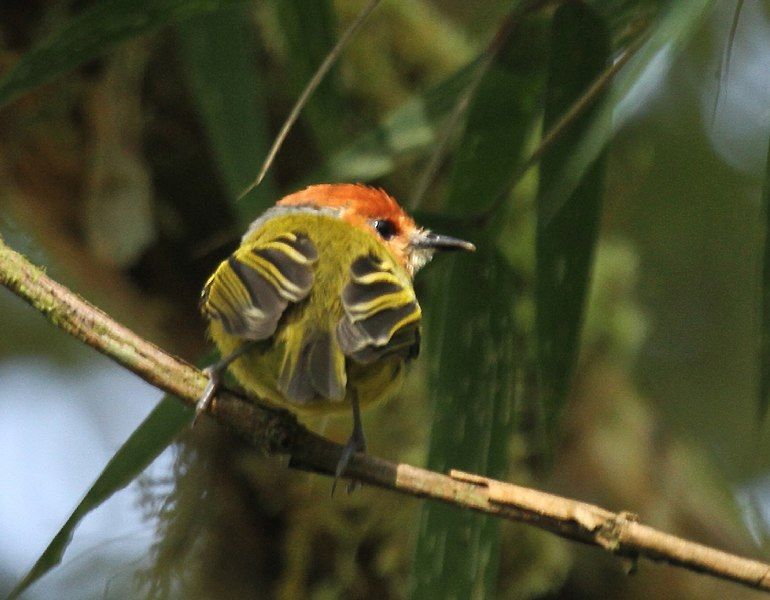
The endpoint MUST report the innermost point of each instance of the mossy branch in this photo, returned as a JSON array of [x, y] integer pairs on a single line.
[[278, 431]]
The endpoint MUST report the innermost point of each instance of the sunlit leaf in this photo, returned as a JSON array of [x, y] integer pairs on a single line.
[[143, 446], [672, 31], [580, 50], [472, 332], [219, 53], [96, 30]]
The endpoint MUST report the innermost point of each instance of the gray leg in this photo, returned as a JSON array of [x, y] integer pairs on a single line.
[[214, 373], [356, 443]]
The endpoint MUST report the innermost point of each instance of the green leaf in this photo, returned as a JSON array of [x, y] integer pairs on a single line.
[[144, 445], [499, 119], [565, 240], [670, 34], [472, 333], [92, 33], [403, 132], [309, 27], [219, 52], [764, 352], [471, 330]]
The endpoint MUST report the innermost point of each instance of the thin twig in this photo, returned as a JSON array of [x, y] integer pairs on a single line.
[[278, 431], [311, 86], [575, 111]]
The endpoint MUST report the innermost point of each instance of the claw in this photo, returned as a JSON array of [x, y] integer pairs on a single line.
[[204, 402], [214, 373]]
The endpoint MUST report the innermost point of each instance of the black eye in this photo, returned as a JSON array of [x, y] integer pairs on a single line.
[[385, 227]]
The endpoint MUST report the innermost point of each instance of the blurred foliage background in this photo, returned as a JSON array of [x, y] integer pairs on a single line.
[[603, 343]]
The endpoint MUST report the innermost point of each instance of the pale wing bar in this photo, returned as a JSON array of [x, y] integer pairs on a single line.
[[382, 316], [250, 290]]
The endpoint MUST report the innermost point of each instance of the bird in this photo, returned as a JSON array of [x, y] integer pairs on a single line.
[[315, 311]]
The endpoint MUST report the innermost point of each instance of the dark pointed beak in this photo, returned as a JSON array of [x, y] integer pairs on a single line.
[[435, 241]]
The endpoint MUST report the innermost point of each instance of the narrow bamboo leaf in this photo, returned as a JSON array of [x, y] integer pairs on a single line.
[[669, 35], [499, 118], [96, 30], [143, 446], [406, 130], [219, 53], [309, 28], [764, 352], [580, 50], [472, 331]]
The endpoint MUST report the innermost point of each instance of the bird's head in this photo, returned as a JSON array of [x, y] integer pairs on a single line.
[[374, 211]]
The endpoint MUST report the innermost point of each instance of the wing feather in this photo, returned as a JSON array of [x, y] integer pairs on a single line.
[[382, 316], [250, 290]]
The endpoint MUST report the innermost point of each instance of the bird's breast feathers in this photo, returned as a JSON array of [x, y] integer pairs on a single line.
[[334, 311]]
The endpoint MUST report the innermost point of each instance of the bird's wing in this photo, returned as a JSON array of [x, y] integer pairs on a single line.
[[382, 316], [250, 290]]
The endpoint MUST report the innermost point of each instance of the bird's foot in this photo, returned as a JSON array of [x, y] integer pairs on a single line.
[[356, 443], [204, 402]]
